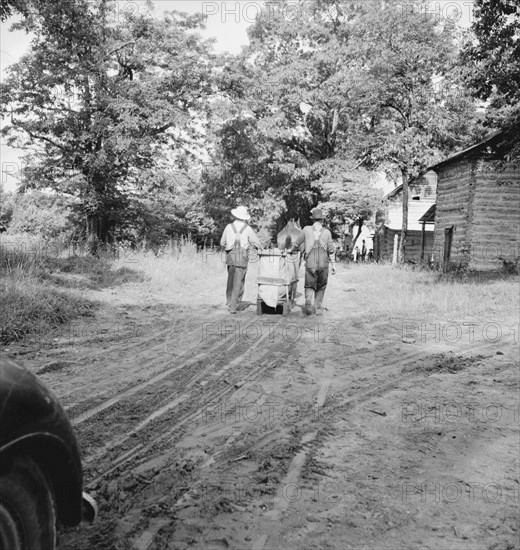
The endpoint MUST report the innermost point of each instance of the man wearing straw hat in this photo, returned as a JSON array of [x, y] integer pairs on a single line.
[[319, 251], [237, 238]]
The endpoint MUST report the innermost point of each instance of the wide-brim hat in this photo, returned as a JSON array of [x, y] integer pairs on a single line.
[[240, 212], [318, 214]]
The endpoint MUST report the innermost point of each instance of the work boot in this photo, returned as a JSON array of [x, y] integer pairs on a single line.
[[309, 295], [318, 301]]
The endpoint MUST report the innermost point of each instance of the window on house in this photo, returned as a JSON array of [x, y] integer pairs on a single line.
[[416, 198]]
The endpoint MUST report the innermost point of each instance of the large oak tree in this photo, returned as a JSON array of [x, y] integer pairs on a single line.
[[289, 115], [330, 89], [491, 59], [403, 117], [97, 100]]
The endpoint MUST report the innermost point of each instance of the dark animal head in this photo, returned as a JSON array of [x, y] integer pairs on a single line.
[[289, 234]]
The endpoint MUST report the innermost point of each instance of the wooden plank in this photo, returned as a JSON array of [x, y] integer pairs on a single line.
[[271, 252], [275, 281]]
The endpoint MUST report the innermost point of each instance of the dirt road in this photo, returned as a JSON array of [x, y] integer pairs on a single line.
[[204, 430]]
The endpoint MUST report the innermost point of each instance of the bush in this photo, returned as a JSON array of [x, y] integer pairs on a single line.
[[31, 303], [40, 214]]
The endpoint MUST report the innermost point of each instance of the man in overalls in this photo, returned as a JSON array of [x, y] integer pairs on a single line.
[[237, 238], [319, 251]]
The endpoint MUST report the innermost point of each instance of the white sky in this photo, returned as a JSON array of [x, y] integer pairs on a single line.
[[226, 20]]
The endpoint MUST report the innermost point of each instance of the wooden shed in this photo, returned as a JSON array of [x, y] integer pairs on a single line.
[[477, 217], [419, 239]]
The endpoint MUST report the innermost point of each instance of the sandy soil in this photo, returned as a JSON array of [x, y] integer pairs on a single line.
[[201, 429]]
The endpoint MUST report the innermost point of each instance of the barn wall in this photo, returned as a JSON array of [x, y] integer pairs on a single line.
[[413, 246], [385, 244], [483, 205], [494, 231], [454, 186]]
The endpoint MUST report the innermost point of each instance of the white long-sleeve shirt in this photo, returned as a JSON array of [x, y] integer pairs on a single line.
[[247, 237]]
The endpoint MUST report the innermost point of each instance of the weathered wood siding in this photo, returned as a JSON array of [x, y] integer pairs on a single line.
[[384, 244], [483, 206], [494, 224], [453, 190]]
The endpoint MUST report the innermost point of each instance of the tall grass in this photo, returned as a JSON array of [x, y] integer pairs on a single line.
[[44, 286], [178, 265], [31, 304], [409, 292]]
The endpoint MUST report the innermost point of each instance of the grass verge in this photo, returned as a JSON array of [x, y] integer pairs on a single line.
[[41, 291], [397, 292]]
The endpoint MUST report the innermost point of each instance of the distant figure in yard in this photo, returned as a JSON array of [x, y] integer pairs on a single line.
[[319, 251], [363, 251], [370, 255], [355, 254], [237, 238]]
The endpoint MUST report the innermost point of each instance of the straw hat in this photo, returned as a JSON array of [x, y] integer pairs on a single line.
[[240, 212]]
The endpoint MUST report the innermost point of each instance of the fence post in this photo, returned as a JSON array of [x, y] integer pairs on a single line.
[[396, 246]]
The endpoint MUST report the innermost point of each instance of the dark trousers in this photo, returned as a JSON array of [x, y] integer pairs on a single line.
[[235, 285], [316, 269], [316, 277]]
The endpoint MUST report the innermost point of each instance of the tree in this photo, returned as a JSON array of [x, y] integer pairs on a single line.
[[9, 7], [400, 117], [97, 102], [338, 87], [349, 197], [40, 214], [169, 205], [7, 202], [288, 120], [491, 56]]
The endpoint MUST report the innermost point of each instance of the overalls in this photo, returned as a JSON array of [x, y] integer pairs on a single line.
[[236, 259], [316, 271]]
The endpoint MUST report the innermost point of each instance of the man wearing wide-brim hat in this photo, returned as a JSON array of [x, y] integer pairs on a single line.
[[318, 254], [237, 239]]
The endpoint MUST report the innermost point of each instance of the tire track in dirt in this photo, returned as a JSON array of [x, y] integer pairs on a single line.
[[305, 442], [166, 405], [156, 442], [149, 461], [181, 396], [127, 360], [268, 526], [151, 366], [89, 413], [191, 415], [221, 350]]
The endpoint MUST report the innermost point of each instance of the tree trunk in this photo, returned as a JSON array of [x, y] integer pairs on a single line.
[[97, 231], [404, 226], [104, 228], [360, 227], [395, 249], [92, 233]]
